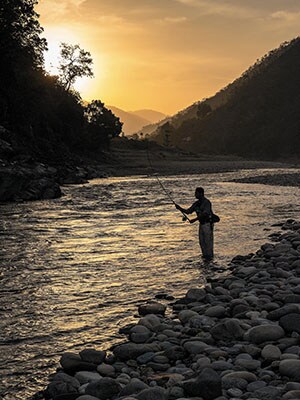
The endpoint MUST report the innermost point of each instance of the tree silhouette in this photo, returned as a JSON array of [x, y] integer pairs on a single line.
[[102, 124], [75, 63], [20, 43], [203, 110]]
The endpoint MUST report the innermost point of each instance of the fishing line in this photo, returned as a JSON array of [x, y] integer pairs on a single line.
[[186, 218]]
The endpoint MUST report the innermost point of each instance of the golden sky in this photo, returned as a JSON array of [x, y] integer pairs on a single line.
[[166, 54]]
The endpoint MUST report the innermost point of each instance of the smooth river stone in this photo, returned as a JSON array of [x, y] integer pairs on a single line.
[[106, 369], [175, 353], [290, 322], [291, 395], [62, 383], [280, 312], [152, 308], [93, 356], [216, 311], [250, 365], [185, 315], [291, 369], [207, 385], [134, 386], [150, 321], [128, 351], [195, 295], [268, 393], [292, 298], [105, 388], [72, 362], [248, 376], [195, 347], [155, 393], [140, 334], [227, 330], [271, 352], [87, 376], [265, 333]]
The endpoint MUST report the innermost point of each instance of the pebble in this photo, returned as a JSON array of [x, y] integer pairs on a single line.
[[271, 352]]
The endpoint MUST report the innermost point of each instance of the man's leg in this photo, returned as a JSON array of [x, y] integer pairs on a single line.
[[206, 240]]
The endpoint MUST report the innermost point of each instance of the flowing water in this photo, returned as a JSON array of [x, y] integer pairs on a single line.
[[74, 269]]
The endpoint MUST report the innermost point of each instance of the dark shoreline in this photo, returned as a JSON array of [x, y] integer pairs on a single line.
[[29, 181], [292, 179], [236, 337]]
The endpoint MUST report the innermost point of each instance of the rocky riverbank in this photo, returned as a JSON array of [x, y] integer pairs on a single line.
[[235, 338], [25, 177], [33, 180]]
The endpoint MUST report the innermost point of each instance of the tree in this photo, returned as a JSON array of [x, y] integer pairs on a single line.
[[203, 110], [102, 124], [20, 43], [75, 63], [166, 130], [21, 66]]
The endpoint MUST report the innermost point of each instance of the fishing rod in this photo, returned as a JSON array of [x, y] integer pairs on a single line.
[[185, 217]]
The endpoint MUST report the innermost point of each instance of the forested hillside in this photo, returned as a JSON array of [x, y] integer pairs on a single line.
[[255, 116]]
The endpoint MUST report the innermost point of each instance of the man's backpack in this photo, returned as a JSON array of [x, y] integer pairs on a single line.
[[215, 218]]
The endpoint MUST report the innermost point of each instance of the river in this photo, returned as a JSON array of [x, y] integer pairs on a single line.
[[74, 269]]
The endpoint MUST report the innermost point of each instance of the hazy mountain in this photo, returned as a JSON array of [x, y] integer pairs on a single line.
[[136, 120], [257, 115], [150, 115]]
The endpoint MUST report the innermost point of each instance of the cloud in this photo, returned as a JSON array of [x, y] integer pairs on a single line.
[[221, 8], [57, 11], [172, 20], [286, 16]]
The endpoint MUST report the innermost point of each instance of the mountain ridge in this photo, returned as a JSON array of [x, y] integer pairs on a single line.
[[254, 116], [135, 120]]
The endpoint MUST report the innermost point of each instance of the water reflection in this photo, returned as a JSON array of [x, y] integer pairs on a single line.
[[74, 269]]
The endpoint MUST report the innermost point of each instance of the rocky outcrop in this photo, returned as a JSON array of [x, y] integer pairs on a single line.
[[26, 182]]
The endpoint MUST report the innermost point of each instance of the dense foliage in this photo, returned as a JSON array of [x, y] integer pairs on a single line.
[[43, 115], [255, 116]]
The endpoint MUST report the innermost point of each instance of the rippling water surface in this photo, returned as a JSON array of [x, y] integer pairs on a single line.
[[73, 270]]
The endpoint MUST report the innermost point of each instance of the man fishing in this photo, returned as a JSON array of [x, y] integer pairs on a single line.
[[202, 207]]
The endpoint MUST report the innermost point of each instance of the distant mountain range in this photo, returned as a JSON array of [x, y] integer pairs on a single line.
[[258, 115], [134, 121]]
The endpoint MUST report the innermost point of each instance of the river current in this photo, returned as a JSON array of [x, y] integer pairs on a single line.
[[74, 269]]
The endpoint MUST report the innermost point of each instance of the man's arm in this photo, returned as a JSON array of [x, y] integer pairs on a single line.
[[186, 210]]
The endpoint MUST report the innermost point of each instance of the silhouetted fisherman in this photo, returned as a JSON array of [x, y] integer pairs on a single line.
[[202, 207]]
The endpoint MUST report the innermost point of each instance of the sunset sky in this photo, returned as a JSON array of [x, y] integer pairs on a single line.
[[166, 54]]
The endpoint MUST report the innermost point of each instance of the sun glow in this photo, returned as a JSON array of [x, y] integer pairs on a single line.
[[55, 36]]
